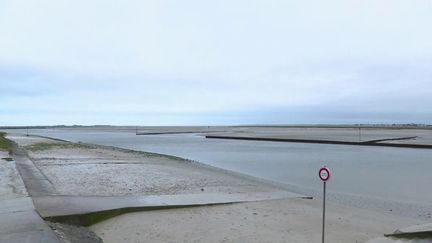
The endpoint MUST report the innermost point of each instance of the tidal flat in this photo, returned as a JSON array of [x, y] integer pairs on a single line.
[[372, 177], [367, 197]]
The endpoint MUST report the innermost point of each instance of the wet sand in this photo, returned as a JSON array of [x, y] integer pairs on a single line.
[[87, 170]]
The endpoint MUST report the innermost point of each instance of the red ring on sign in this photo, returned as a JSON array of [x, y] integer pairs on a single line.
[[328, 174]]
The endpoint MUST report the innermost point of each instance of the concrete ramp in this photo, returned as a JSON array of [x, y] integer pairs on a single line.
[[413, 234], [89, 210], [35, 181], [19, 222], [416, 231]]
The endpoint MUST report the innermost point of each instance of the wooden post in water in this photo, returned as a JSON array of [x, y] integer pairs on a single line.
[[359, 134]]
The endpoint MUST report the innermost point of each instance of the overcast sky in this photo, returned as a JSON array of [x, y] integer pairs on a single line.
[[215, 62]]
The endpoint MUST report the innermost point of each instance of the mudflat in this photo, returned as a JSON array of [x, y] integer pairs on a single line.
[[90, 170]]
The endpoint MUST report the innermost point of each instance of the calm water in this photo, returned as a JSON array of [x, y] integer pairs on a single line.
[[396, 174]]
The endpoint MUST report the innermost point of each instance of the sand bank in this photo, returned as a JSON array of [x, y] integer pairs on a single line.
[[86, 170], [348, 135], [292, 220]]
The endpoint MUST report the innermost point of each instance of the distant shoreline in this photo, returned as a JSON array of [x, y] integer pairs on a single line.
[[353, 126]]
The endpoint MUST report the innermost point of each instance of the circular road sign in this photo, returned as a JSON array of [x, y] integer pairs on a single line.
[[324, 174]]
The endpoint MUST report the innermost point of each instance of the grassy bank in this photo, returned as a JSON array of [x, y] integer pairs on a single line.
[[56, 144], [5, 144]]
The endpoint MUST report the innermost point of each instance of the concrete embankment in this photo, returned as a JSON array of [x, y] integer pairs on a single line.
[[19, 221], [86, 211], [365, 143]]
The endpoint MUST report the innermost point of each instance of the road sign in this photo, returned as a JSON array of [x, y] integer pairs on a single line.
[[324, 174]]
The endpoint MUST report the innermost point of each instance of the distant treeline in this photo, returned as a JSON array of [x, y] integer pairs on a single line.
[[388, 126], [54, 126], [384, 126]]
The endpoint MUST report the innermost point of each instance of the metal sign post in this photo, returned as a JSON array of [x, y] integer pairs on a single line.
[[324, 175]]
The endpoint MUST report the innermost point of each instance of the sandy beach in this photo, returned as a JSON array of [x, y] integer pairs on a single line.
[[88, 170], [291, 220]]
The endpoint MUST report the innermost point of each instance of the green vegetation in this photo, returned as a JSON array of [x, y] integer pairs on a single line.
[[51, 145], [5, 144], [96, 217], [42, 146]]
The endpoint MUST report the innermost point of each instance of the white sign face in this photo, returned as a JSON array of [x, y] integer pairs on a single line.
[[324, 174]]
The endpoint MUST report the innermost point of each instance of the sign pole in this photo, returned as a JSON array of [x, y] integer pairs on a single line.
[[323, 219], [324, 175]]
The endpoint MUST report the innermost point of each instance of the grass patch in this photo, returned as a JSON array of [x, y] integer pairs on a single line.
[[5, 144], [7, 159], [52, 145]]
